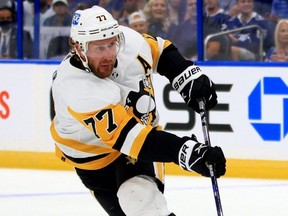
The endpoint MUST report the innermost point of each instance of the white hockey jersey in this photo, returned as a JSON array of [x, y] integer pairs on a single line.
[[98, 119]]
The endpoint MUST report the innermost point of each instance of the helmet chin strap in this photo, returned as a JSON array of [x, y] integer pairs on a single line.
[[83, 57]]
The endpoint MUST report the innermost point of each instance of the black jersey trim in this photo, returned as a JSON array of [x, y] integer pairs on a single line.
[[120, 141], [86, 159]]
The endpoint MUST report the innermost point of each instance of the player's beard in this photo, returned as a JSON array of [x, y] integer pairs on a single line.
[[104, 69]]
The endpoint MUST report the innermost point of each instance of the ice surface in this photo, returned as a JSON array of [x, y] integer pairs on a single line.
[[58, 193]]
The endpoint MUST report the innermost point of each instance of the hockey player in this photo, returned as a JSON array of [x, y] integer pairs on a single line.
[[106, 123]]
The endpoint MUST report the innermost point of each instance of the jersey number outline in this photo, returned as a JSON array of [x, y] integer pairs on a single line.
[[111, 124]]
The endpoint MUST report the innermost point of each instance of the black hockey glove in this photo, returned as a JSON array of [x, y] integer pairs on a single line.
[[191, 84], [193, 156]]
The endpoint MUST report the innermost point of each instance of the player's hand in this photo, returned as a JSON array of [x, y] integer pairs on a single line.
[[202, 87], [194, 156]]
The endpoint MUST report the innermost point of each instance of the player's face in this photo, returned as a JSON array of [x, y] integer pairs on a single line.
[[102, 56]]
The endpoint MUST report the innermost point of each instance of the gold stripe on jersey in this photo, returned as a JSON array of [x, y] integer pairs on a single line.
[[93, 149], [153, 43], [104, 123], [91, 165], [122, 128], [139, 141]]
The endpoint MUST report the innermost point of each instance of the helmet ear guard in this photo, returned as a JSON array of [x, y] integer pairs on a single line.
[[82, 56]]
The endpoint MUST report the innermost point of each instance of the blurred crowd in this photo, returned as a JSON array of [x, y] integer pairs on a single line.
[[233, 30]]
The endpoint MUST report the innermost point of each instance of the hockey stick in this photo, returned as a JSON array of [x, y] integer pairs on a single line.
[[210, 166]]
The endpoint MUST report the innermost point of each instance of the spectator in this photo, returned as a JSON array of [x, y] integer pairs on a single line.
[[185, 37], [156, 12], [230, 7], [279, 53], [280, 9], [113, 6], [141, 4], [263, 7], [8, 33], [215, 21], [137, 21], [62, 16], [245, 43], [73, 3], [129, 6], [214, 16], [28, 10], [58, 47], [176, 9], [81, 6], [185, 34]]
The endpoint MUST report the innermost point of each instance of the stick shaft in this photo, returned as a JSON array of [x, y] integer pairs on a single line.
[[210, 166]]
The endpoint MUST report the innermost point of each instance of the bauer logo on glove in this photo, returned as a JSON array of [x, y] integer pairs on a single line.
[[192, 72], [193, 156], [192, 84]]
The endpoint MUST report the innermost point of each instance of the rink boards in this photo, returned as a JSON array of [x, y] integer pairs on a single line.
[[250, 122]]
